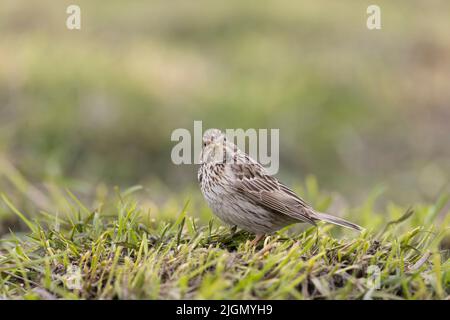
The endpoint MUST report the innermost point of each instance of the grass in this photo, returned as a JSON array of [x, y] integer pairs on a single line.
[[119, 250], [99, 104]]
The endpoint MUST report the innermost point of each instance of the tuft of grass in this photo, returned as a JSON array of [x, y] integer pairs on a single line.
[[115, 251]]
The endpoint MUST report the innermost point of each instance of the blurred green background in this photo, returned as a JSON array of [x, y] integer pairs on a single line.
[[356, 108]]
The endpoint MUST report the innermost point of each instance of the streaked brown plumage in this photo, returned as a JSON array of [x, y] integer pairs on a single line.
[[241, 193]]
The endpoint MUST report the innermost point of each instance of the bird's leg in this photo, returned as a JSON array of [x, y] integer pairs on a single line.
[[257, 239]]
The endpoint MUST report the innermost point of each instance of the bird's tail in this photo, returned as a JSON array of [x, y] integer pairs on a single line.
[[338, 221]]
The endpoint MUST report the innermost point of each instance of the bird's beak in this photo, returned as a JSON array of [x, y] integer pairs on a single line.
[[200, 158]]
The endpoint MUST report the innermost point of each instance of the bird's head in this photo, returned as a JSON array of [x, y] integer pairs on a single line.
[[215, 147]]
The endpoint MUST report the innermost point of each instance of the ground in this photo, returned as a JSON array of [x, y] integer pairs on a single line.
[[119, 251]]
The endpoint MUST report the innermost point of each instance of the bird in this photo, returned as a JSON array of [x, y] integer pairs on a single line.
[[242, 194]]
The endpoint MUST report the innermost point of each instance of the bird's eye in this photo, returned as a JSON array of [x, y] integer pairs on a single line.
[[204, 144]]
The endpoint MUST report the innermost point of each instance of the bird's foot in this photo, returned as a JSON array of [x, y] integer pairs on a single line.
[[257, 239]]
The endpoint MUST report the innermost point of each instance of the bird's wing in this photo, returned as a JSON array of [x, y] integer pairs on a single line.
[[255, 184]]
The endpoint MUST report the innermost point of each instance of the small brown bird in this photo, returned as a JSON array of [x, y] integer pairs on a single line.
[[241, 192]]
